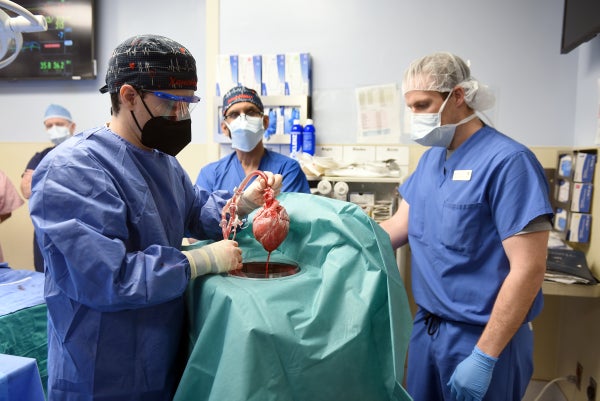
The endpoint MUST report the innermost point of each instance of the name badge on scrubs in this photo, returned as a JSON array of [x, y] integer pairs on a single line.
[[461, 175]]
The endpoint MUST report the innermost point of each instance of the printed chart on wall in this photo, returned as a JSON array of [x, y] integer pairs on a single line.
[[378, 114]]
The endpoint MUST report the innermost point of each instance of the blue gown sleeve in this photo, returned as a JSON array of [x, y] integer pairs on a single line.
[[108, 253], [205, 213], [206, 177], [294, 179]]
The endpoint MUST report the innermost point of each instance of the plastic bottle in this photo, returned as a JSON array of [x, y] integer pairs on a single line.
[[308, 138], [296, 139]]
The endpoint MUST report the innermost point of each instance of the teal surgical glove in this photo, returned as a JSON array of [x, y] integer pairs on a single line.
[[218, 257], [472, 377]]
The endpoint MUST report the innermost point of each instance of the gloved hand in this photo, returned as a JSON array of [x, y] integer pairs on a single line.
[[472, 377], [253, 196], [218, 257]]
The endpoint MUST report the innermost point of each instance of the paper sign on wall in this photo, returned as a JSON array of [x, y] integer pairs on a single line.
[[378, 114]]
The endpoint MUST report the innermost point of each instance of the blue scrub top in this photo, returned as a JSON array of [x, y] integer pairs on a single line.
[[461, 209], [227, 173], [109, 218]]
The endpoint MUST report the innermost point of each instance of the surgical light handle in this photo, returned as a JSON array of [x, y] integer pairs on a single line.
[[11, 28]]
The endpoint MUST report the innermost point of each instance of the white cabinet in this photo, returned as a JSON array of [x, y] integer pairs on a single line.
[[378, 197]]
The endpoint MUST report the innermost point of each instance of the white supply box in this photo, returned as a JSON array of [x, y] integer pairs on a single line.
[[579, 228], [250, 71], [298, 74], [273, 75], [584, 167], [581, 200], [227, 73]]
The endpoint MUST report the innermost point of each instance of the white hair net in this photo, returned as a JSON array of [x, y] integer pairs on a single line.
[[442, 72]]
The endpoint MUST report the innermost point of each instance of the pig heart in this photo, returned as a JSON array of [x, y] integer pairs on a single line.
[[271, 224]]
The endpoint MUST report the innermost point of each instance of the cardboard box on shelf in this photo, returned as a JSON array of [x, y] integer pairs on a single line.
[[581, 200], [579, 227], [227, 73], [273, 75], [298, 74], [584, 167], [250, 71]]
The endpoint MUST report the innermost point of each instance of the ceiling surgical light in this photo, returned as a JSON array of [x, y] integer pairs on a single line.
[[11, 28]]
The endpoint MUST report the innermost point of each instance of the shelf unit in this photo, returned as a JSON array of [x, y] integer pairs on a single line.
[[382, 180], [571, 290], [378, 197]]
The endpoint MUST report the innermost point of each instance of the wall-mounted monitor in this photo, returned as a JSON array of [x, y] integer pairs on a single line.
[[64, 51], [581, 22]]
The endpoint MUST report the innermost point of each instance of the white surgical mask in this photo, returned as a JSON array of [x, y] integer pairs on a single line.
[[426, 128], [58, 134], [246, 132]]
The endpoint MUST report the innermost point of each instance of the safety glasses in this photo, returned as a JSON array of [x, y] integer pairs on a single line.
[[173, 107]]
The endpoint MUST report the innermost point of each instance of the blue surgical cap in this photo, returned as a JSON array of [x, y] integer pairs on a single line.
[[57, 111], [241, 94]]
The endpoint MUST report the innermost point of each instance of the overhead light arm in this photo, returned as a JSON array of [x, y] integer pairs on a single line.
[[11, 28]]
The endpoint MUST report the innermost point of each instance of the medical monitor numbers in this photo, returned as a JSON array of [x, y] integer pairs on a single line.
[[64, 51]]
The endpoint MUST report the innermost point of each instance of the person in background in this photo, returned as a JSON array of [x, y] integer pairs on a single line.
[[244, 122], [110, 208], [476, 215], [9, 201], [59, 125]]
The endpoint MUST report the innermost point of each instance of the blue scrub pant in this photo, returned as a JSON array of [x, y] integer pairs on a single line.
[[433, 357]]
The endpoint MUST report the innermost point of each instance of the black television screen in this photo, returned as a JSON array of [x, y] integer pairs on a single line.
[[581, 22], [64, 51]]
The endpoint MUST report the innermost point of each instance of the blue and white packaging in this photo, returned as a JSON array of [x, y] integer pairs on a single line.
[[227, 73], [579, 228], [289, 115], [296, 139], [584, 167], [272, 128], [298, 74], [250, 71], [562, 191], [565, 165], [273, 75], [581, 200], [308, 137], [560, 220], [281, 120]]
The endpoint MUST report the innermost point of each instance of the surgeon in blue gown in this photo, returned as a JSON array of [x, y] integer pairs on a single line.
[[476, 215], [244, 122], [110, 208]]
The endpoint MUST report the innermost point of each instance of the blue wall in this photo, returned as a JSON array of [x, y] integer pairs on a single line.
[[543, 98], [587, 101]]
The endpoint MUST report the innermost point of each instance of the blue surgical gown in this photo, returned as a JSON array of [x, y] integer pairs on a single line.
[[227, 173], [109, 218]]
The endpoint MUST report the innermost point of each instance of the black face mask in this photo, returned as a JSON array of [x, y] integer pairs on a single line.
[[166, 135]]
